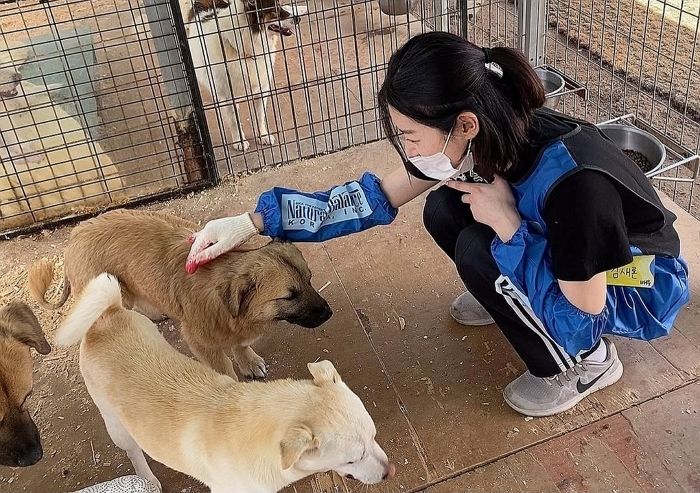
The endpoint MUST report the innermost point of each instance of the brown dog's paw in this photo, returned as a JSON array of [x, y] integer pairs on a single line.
[[250, 364]]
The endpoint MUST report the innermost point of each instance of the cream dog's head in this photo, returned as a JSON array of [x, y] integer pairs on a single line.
[[338, 434]]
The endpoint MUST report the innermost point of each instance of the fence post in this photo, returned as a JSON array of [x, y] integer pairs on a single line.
[[532, 29], [442, 16], [170, 40], [160, 23]]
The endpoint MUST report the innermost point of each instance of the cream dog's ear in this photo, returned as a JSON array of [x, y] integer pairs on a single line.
[[324, 372], [298, 440]]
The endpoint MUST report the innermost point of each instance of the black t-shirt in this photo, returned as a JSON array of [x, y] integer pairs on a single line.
[[584, 213], [586, 226]]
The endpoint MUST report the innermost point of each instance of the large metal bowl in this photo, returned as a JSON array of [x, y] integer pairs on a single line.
[[395, 7], [627, 137], [554, 85]]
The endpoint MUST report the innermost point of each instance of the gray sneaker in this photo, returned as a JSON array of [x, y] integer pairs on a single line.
[[467, 311], [535, 396]]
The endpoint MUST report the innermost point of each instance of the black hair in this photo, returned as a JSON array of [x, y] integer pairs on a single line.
[[436, 76]]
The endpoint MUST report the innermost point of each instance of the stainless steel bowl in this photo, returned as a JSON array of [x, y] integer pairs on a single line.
[[627, 137], [553, 87], [395, 7]]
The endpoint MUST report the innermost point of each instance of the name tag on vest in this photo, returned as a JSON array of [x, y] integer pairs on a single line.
[[636, 274]]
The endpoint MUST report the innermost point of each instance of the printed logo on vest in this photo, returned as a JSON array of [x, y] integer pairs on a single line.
[[470, 176]]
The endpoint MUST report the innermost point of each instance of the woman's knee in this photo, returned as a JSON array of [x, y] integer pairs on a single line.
[[473, 254], [439, 210]]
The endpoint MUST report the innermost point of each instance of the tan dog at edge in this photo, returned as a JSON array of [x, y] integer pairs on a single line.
[[20, 444]]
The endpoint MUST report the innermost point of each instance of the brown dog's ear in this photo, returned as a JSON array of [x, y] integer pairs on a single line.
[[324, 372], [19, 322], [236, 294], [296, 441]]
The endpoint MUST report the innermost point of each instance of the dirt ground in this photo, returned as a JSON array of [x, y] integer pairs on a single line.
[[432, 387]]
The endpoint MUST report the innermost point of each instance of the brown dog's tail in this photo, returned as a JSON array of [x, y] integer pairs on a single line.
[[39, 280]]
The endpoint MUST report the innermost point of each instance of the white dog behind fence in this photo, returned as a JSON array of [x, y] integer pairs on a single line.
[[49, 166], [233, 49]]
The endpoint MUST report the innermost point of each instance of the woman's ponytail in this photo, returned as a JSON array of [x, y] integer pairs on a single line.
[[520, 81]]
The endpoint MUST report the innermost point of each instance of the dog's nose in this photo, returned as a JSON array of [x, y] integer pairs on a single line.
[[350, 476], [390, 472], [30, 457], [326, 313]]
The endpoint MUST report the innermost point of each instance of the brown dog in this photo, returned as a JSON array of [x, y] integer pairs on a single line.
[[224, 307], [20, 444]]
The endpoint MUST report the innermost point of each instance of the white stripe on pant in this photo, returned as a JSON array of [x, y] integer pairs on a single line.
[[521, 306]]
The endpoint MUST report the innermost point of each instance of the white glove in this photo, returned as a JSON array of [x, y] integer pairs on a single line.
[[125, 484], [219, 236]]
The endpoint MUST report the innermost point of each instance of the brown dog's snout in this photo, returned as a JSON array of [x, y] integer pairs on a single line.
[[324, 312], [30, 456], [315, 317], [316, 312], [321, 313], [20, 444]]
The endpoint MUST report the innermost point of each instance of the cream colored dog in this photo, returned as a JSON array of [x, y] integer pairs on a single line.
[[234, 437]]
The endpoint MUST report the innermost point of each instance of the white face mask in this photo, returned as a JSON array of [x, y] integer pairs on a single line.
[[439, 167]]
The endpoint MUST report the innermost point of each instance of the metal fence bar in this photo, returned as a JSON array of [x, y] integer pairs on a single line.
[[160, 21], [199, 117]]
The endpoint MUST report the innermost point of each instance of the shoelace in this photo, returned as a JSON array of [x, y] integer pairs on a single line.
[[567, 374]]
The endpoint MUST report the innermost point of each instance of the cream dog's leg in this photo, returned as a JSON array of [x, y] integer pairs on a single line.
[[122, 439]]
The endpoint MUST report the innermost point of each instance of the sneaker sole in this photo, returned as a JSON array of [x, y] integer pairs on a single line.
[[472, 323], [610, 379]]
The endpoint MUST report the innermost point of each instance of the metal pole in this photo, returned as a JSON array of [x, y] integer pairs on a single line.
[[464, 6], [532, 29], [441, 13], [170, 40], [165, 41]]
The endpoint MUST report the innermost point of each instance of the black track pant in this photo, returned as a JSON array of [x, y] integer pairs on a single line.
[[468, 243]]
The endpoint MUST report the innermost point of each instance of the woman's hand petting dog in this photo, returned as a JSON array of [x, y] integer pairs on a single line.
[[217, 237]]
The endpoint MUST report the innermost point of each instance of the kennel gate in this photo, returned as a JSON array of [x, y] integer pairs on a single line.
[[105, 115]]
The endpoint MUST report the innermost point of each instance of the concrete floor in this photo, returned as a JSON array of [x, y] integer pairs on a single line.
[[433, 387]]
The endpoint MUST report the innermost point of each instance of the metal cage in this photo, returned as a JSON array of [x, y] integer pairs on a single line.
[[96, 109], [637, 62], [126, 100]]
